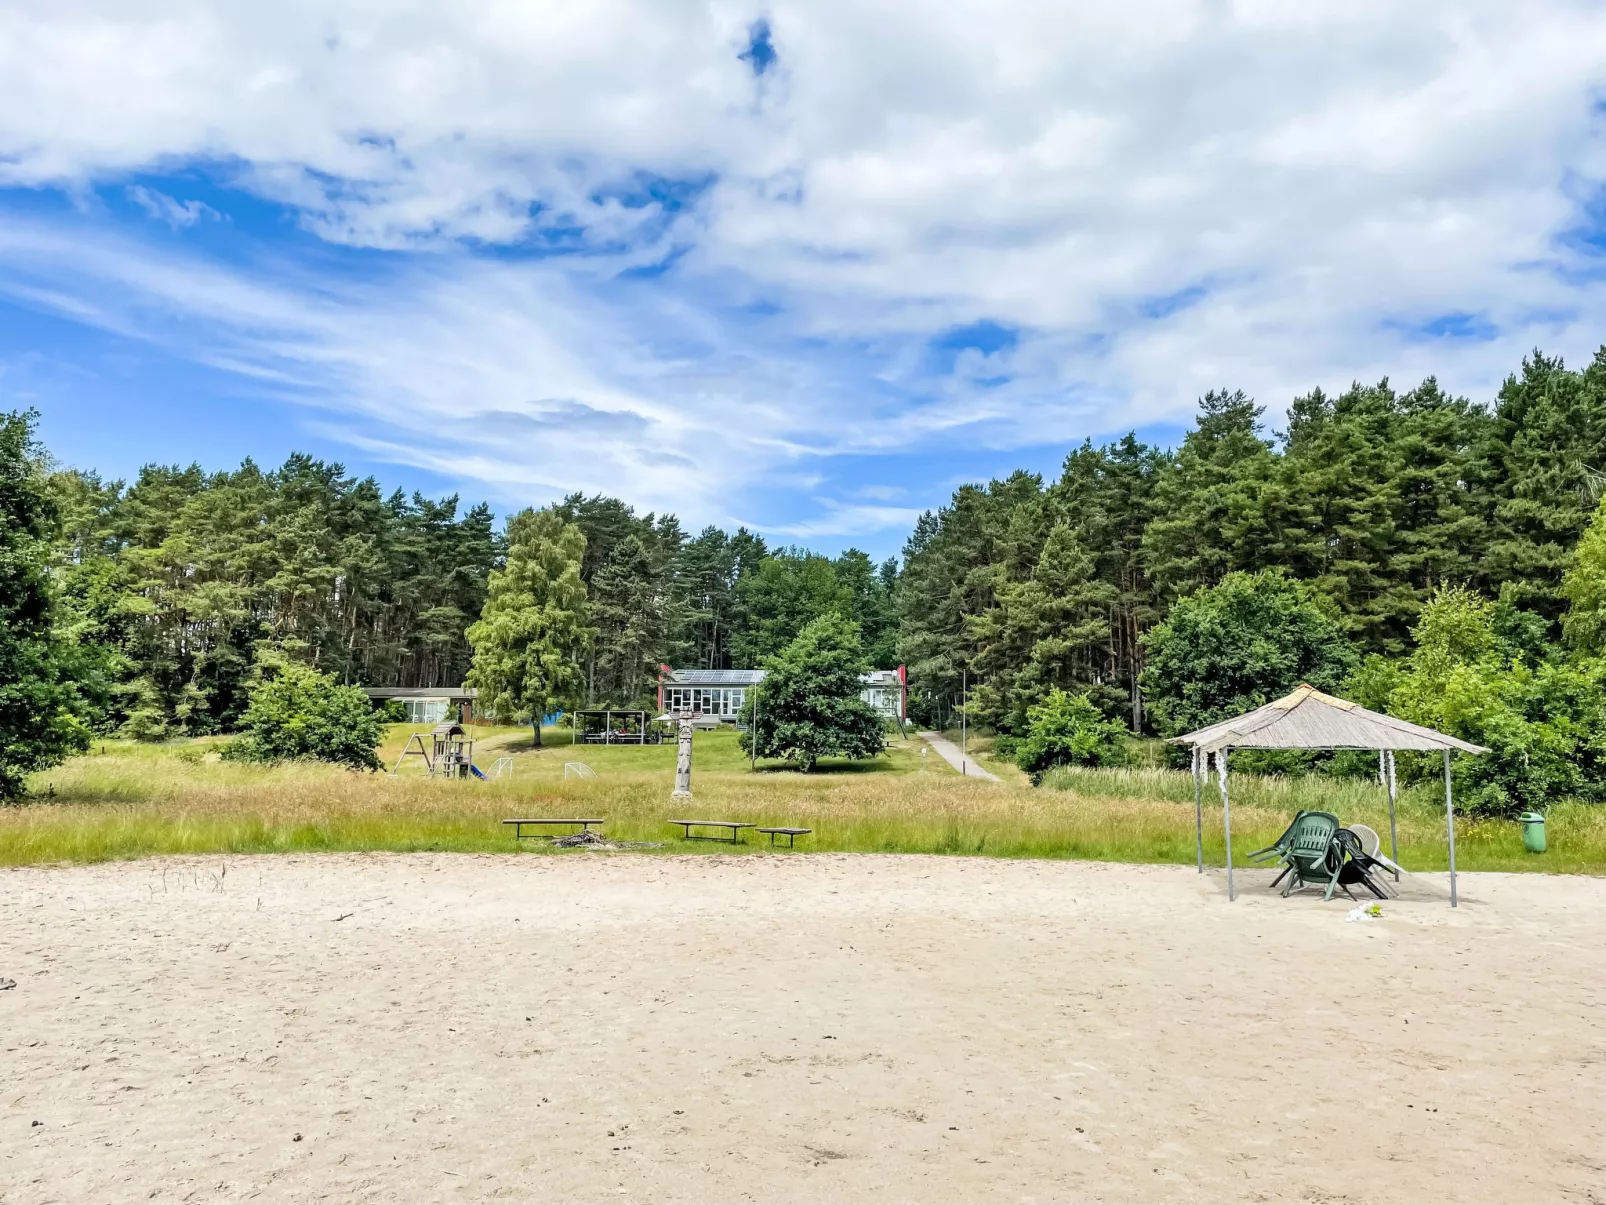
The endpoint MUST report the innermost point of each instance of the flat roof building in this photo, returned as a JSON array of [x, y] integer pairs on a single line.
[[427, 704], [717, 695]]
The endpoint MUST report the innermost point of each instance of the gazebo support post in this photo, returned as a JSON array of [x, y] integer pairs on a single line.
[[1226, 816], [1449, 824], [1394, 833], [1198, 806]]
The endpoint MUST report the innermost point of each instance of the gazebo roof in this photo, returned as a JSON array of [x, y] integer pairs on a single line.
[[1308, 719]]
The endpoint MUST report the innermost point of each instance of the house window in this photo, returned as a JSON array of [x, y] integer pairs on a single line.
[[722, 702], [425, 711]]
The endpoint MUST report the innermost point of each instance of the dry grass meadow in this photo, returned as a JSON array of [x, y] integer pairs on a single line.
[[127, 801]]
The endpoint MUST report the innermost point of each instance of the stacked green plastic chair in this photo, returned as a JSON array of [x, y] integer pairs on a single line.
[[1278, 847], [1309, 854]]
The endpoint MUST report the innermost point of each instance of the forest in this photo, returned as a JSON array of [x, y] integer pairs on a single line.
[[171, 588], [1381, 528]]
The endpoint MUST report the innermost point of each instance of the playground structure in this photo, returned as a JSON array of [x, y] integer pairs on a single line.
[[450, 754]]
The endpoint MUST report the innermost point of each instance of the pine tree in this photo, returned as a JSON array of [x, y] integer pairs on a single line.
[[628, 607], [1066, 609], [1543, 456], [789, 590], [1106, 496], [1208, 518], [868, 600]]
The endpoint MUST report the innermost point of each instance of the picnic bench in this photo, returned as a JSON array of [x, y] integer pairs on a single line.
[[791, 834], [735, 827], [518, 825]]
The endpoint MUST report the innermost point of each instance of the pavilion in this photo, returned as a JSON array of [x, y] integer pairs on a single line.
[[1309, 719]]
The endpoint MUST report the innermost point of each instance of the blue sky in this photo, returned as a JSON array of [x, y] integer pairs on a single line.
[[804, 267]]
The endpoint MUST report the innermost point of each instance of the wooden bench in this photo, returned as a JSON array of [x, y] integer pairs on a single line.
[[518, 826], [735, 827], [791, 834]]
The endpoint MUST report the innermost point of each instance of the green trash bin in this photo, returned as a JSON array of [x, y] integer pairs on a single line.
[[1533, 832]]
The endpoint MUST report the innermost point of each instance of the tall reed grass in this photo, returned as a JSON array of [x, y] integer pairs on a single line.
[[137, 801], [1262, 805]]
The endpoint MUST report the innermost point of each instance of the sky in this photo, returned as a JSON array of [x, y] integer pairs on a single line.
[[804, 267]]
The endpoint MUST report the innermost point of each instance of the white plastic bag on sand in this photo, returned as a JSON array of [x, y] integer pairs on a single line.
[[1355, 913]]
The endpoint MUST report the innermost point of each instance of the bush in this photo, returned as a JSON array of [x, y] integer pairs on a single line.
[[1069, 730], [1544, 723], [298, 714]]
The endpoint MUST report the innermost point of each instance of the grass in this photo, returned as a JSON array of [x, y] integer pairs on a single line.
[[124, 800]]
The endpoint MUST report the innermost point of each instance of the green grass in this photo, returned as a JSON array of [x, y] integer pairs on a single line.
[[124, 800]]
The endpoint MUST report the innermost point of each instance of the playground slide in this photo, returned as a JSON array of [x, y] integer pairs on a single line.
[[477, 772]]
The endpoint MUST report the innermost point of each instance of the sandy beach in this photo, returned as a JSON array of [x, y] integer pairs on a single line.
[[789, 1028]]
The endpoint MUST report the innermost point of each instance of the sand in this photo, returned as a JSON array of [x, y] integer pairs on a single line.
[[789, 1028]]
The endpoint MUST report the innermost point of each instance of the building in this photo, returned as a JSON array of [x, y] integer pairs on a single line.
[[884, 690], [427, 704], [715, 696]]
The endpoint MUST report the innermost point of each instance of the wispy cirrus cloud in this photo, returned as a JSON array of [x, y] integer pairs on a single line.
[[177, 214], [705, 256]]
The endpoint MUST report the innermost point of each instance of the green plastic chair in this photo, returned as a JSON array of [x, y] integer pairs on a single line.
[[1309, 854], [1278, 847]]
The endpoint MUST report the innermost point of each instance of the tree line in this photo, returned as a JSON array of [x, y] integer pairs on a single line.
[[1377, 511], [1376, 499], [174, 588]]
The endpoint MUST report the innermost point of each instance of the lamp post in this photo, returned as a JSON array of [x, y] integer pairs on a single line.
[[752, 735], [964, 720]]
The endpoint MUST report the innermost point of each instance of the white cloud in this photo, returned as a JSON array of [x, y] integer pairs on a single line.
[[846, 519], [177, 214], [1322, 175]]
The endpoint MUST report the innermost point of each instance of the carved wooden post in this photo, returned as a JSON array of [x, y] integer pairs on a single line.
[[683, 761]]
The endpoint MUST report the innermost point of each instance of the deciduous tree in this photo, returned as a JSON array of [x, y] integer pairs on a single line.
[[529, 639], [1238, 645], [809, 703], [39, 709]]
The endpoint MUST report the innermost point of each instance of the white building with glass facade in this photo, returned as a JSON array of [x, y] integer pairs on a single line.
[[427, 704], [715, 696]]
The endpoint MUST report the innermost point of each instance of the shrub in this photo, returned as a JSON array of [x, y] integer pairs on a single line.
[[1069, 730], [1544, 723], [299, 714]]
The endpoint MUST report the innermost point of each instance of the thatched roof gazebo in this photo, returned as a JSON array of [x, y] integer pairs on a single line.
[[1308, 719]]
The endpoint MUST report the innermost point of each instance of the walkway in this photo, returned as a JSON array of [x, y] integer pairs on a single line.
[[952, 755]]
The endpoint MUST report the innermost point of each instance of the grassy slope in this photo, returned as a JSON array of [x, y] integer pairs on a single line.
[[129, 801]]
